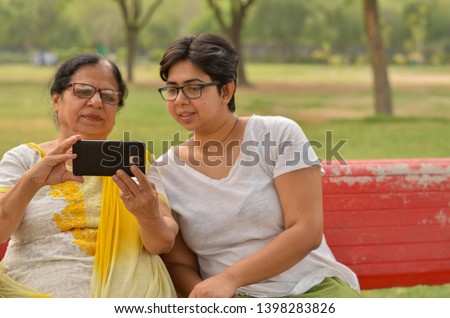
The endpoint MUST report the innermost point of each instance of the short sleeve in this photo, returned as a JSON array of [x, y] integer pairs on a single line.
[[14, 163], [293, 150]]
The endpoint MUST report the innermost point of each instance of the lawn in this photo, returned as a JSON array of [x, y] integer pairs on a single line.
[[320, 98], [332, 104]]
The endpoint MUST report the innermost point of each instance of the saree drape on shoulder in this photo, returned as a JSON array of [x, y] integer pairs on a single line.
[[122, 266]]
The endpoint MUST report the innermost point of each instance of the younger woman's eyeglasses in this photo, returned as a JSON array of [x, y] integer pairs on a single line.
[[191, 91]]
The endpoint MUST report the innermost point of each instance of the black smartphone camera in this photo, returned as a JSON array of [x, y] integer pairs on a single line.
[[105, 157]]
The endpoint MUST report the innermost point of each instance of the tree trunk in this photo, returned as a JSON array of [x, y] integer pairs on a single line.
[[235, 38], [132, 35], [382, 90], [134, 23], [233, 31]]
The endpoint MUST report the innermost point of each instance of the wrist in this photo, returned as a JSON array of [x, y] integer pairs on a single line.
[[148, 218], [232, 277], [30, 182]]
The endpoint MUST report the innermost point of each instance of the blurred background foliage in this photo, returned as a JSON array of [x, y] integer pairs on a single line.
[[288, 31]]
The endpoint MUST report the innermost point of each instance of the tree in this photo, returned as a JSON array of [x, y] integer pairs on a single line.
[[33, 25], [277, 38], [382, 90], [416, 22], [135, 19], [238, 10]]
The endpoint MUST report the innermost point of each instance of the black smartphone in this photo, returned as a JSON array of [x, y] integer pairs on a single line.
[[105, 157]]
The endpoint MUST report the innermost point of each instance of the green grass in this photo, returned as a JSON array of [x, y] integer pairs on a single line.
[[420, 291], [375, 138], [320, 98]]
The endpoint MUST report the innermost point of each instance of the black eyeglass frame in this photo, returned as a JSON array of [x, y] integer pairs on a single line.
[[200, 85], [101, 90]]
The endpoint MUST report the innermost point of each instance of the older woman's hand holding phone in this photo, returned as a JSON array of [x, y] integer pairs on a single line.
[[52, 168]]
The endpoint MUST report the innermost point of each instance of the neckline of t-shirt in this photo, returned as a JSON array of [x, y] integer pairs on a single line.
[[193, 171]]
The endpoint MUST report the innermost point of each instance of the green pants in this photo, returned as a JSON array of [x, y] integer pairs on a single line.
[[330, 287]]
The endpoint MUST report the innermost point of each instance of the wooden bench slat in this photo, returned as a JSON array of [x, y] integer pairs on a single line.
[[386, 217], [403, 274], [388, 167], [354, 201], [368, 254], [383, 184], [390, 235], [403, 280], [399, 268]]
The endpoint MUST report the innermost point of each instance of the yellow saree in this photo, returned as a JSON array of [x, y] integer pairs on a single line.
[[122, 266]]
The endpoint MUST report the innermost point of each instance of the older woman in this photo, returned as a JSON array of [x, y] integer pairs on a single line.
[[73, 236]]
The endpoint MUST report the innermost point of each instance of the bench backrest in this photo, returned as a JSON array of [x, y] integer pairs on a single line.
[[389, 220]]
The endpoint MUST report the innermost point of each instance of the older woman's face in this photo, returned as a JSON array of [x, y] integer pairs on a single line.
[[92, 118]]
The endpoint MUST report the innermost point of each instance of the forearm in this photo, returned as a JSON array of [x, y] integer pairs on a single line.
[[182, 265], [184, 278], [158, 233], [13, 204], [283, 252]]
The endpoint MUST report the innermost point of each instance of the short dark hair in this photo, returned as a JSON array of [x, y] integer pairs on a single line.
[[63, 75], [211, 53]]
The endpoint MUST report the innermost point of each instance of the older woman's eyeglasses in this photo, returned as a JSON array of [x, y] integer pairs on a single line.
[[191, 91], [86, 91]]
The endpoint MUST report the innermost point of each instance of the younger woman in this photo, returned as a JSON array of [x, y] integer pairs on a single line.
[[246, 191]]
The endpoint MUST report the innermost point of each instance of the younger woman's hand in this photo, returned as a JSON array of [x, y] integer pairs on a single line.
[[214, 287]]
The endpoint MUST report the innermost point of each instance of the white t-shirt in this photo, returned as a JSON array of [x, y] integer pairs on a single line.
[[226, 220]]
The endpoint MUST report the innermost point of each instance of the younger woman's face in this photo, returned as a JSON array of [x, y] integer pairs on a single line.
[[200, 113]]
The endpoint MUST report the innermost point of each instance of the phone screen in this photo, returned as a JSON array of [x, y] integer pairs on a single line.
[[105, 157]]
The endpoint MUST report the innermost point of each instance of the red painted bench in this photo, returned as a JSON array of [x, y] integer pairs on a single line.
[[388, 220], [3, 249]]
